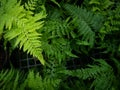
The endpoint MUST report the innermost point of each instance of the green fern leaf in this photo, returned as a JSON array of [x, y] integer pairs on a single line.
[[85, 22], [22, 27], [55, 41], [93, 71], [54, 1], [7, 81], [8, 13]]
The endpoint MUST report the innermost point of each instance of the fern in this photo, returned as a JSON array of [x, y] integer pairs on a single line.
[[85, 22], [111, 18], [115, 19], [55, 2], [8, 13], [9, 79], [58, 27], [111, 28], [36, 79], [107, 79], [100, 5], [21, 26], [40, 82], [102, 72], [109, 9], [55, 39], [92, 72], [30, 5], [117, 73]]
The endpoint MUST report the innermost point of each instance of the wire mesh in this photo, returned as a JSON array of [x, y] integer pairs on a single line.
[[26, 61]]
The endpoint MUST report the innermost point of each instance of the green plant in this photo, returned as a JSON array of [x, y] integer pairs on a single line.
[[55, 42], [101, 72], [40, 82], [85, 22], [99, 5], [19, 26], [110, 11], [112, 23], [10, 80], [83, 31], [15, 80], [71, 33], [56, 37]]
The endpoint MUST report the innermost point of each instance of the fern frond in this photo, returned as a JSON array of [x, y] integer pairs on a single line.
[[22, 26], [55, 43], [8, 13], [51, 83], [30, 5], [55, 2], [6, 76], [40, 83], [99, 73], [9, 79], [58, 48], [112, 23], [57, 28], [85, 22], [100, 5], [115, 19], [107, 79], [93, 71], [36, 78]]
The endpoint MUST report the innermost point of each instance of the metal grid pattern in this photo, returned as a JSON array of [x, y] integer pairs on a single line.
[[26, 61]]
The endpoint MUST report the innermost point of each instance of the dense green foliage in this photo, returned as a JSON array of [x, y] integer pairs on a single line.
[[79, 41], [21, 26], [15, 80]]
